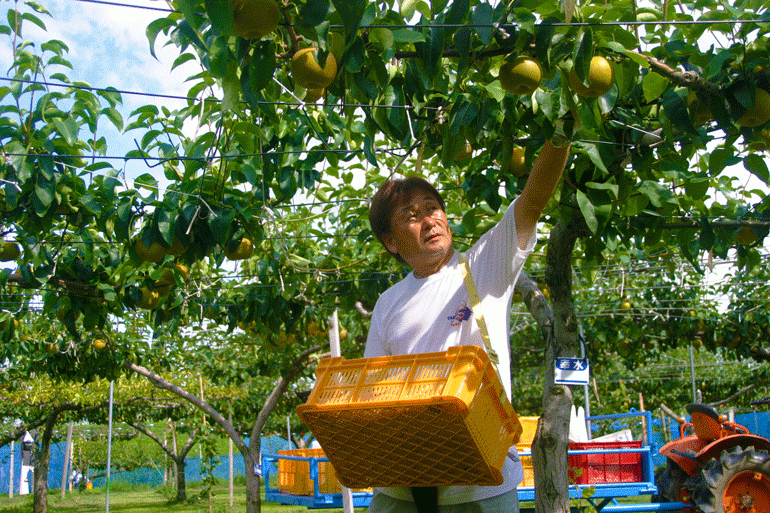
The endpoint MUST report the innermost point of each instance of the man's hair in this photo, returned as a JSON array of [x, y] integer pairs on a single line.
[[390, 194]]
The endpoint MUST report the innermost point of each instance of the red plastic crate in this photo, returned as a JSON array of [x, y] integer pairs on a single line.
[[606, 467]]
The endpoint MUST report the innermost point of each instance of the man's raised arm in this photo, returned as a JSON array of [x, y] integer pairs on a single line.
[[542, 181]]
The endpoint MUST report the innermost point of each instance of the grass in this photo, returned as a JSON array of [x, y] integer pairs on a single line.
[[142, 499]]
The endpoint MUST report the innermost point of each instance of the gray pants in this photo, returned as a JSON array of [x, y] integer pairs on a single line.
[[505, 503]]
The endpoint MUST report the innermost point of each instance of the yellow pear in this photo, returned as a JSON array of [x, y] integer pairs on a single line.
[[254, 19], [521, 76], [308, 73], [760, 114], [154, 253], [600, 78], [239, 250], [9, 251]]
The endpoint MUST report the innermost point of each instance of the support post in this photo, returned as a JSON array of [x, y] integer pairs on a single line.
[[67, 457], [230, 458], [334, 340], [109, 451], [10, 478]]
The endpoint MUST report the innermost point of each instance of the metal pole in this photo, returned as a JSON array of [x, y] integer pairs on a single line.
[[288, 432], [336, 350], [10, 478], [67, 456], [230, 457], [585, 387], [109, 451], [692, 373]]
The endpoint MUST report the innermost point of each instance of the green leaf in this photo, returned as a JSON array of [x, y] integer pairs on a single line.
[[68, 128], [457, 13], [492, 196], [634, 56], [313, 13], [407, 8], [29, 277], [188, 32], [482, 21], [365, 85], [720, 158], [33, 19], [462, 115], [146, 181], [587, 209], [155, 28], [496, 90], [262, 66], [185, 57], [543, 37], [231, 87], [165, 225], [55, 46], [603, 186], [219, 56], [114, 116], [382, 38], [658, 194], [352, 12], [592, 150], [757, 166], [653, 86], [220, 12], [635, 205], [462, 42], [584, 52], [675, 107], [37, 7], [44, 193], [697, 187], [707, 237], [434, 49], [408, 36]]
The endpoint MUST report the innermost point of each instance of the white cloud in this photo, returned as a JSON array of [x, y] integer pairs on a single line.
[[108, 47]]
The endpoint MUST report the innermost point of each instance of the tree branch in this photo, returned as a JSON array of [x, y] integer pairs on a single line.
[[689, 79], [732, 397], [281, 386], [15, 435], [163, 384]]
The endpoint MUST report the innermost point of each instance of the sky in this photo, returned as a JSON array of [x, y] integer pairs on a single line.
[[108, 47]]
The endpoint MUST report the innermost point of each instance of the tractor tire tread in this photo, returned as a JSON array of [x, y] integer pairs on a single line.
[[708, 486]]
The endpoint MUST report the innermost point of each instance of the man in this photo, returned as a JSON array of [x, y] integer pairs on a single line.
[[429, 310]]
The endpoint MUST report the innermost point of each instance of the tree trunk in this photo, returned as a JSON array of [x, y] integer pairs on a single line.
[[40, 500], [561, 334], [253, 502], [177, 456], [181, 483]]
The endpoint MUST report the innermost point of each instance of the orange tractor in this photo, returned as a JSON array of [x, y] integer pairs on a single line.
[[722, 468]]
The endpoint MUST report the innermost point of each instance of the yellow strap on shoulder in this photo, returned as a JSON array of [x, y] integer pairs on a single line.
[[473, 295]]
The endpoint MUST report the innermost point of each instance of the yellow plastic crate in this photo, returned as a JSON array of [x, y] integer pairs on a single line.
[[413, 420], [294, 475], [526, 462], [529, 428]]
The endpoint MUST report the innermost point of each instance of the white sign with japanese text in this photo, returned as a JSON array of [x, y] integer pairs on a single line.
[[571, 371]]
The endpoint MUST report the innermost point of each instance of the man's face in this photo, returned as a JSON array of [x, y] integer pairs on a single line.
[[419, 232]]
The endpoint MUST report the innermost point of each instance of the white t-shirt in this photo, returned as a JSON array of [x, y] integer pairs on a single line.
[[434, 313]]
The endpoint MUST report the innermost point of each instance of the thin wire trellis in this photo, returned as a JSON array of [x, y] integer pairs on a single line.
[[476, 25]]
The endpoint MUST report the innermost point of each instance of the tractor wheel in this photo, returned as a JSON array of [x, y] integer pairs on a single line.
[[739, 482], [669, 481]]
